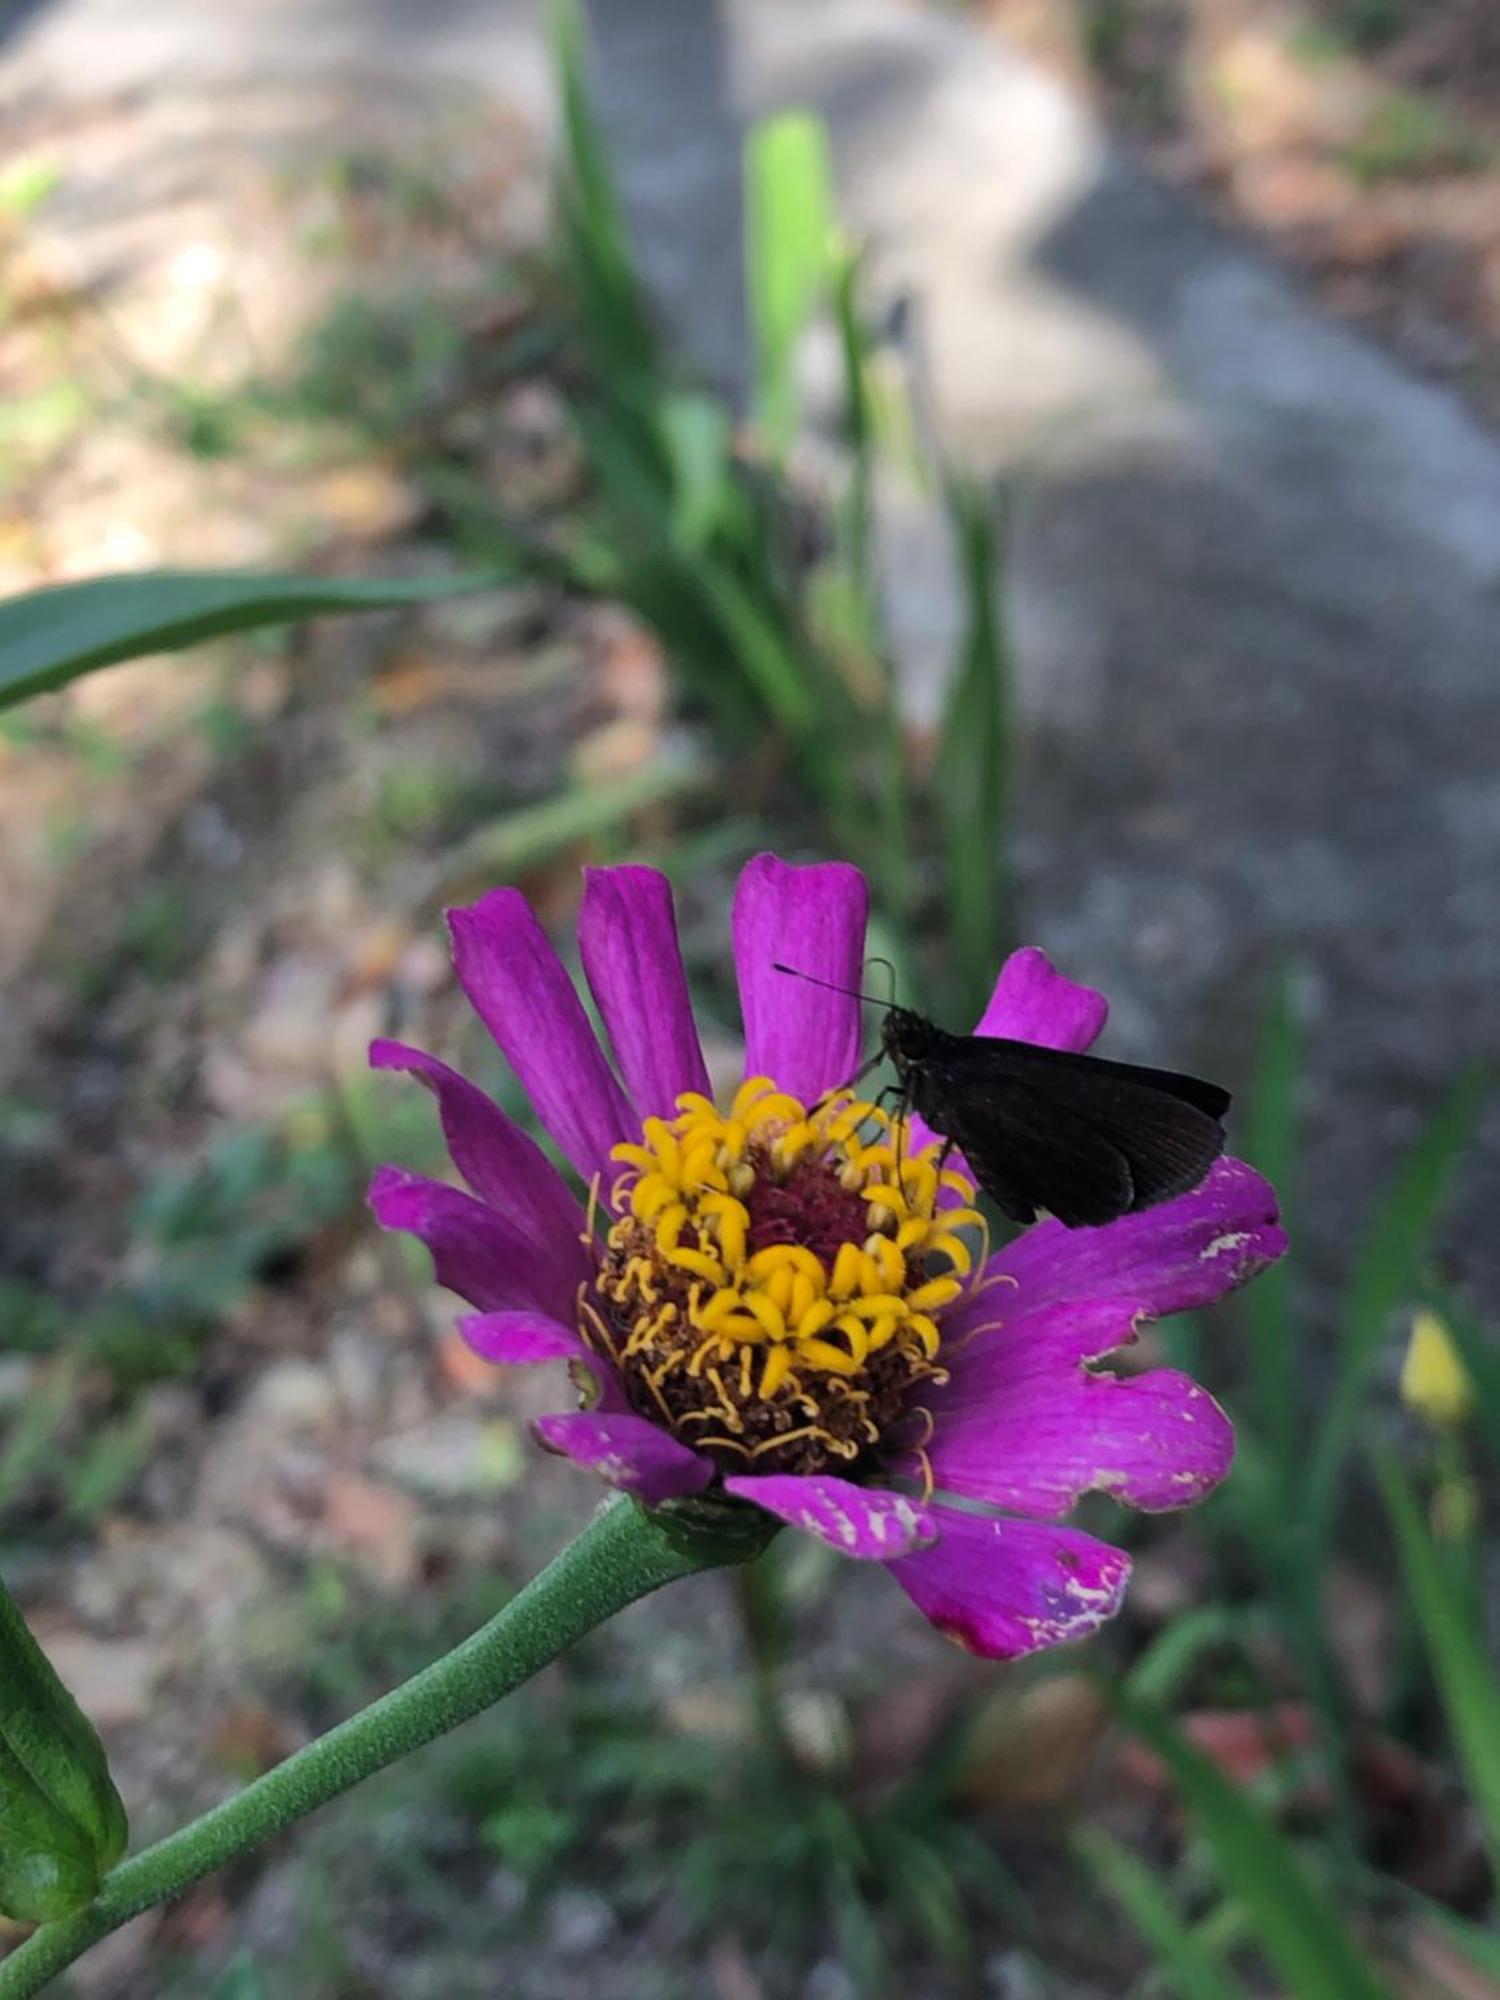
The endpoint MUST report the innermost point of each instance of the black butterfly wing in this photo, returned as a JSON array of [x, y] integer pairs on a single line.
[[1036, 1155], [1082, 1137]]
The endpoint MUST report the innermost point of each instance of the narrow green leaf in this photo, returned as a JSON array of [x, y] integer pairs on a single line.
[[788, 247], [1387, 1274], [1164, 1666], [1271, 1145], [1182, 1958], [971, 775], [49, 637], [527, 839], [1466, 1678], [856, 511], [1480, 1946], [695, 430], [614, 317], [1295, 1924]]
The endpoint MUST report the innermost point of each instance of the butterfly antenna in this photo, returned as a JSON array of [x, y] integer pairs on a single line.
[[849, 992], [892, 971]]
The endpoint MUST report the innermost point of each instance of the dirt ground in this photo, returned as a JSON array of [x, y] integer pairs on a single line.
[[1358, 139]]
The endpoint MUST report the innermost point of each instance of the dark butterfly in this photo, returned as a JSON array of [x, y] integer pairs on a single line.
[[1086, 1139]]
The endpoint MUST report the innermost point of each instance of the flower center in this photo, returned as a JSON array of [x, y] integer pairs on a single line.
[[771, 1287]]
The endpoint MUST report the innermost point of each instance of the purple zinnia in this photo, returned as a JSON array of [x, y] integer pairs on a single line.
[[781, 1298]]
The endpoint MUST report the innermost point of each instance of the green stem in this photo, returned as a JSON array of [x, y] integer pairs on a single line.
[[622, 1554], [760, 1621]]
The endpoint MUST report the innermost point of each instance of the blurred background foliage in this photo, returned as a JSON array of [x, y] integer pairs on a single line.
[[1279, 1773]]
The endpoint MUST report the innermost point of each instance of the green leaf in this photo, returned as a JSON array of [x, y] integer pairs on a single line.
[[525, 840], [1295, 1923], [1271, 1145], [971, 775], [788, 250], [49, 637], [695, 430], [1179, 1648], [1465, 1677], [62, 1825], [1182, 1958], [614, 318], [1387, 1274]]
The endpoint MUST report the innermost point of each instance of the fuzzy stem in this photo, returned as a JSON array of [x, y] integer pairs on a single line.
[[622, 1555]]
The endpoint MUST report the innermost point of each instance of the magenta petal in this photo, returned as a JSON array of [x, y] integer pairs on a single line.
[[522, 993], [629, 1452], [1032, 1002], [504, 1165], [1039, 1441], [1003, 1588], [519, 1339], [1172, 1258], [476, 1251], [856, 1520], [991, 1338], [627, 937], [513, 1339], [803, 1037]]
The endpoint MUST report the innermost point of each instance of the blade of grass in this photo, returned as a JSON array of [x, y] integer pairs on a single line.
[[970, 778], [855, 524], [788, 245], [1479, 1946], [859, 420], [1387, 1273], [525, 840], [1271, 1145], [696, 434], [616, 319], [1295, 1923], [1291, 1557], [1465, 1677], [1157, 1677], [1183, 1960]]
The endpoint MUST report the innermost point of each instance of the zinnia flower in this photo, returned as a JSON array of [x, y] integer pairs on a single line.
[[780, 1298]]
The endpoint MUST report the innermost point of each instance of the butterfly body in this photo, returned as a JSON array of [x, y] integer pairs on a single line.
[[1084, 1138]]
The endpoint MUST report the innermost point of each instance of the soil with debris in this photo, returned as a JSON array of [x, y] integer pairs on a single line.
[[1360, 139]]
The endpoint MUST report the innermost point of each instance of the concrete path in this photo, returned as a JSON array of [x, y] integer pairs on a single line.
[[1256, 583]]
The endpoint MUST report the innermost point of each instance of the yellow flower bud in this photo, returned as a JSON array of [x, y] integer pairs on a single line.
[[1434, 1381]]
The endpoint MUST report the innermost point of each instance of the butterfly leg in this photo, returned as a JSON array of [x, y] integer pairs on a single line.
[[858, 1077]]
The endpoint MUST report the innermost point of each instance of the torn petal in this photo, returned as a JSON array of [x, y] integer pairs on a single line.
[[1004, 1588]]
